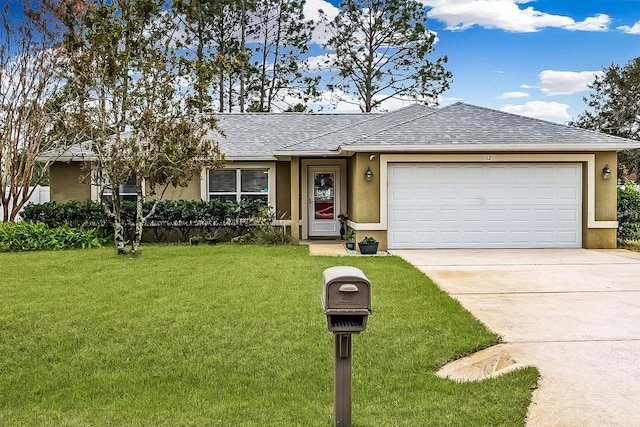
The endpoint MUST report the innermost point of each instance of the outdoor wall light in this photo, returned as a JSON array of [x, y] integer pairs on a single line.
[[606, 172], [368, 175]]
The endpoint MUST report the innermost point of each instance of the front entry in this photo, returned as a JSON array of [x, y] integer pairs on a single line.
[[324, 200]]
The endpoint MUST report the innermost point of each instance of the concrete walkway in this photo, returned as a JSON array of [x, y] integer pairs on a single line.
[[573, 313]]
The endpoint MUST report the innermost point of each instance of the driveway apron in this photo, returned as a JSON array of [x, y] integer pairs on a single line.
[[572, 313]]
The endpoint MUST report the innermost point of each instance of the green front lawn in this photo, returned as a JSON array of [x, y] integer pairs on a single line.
[[234, 336]]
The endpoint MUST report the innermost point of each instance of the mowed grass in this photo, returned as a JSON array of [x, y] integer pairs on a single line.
[[234, 336]]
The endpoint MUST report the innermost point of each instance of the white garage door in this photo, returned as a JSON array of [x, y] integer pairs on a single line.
[[484, 206]]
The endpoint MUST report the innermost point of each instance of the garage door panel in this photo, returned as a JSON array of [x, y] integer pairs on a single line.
[[569, 216], [544, 216], [496, 236], [424, 193], [402, 215], [568, 194], [401, 193], [514, 193], [474, 237], [426, 215], [449, 237], [426, 174], [544, 194], [569, 237], [402, 237], [478, 206], [497, 215], [449, 192], [402, 174], [473, 216], [520, 216], [568, 173], [424, 237]]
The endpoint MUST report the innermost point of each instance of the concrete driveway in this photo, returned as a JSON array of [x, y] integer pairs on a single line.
[[573, 313]]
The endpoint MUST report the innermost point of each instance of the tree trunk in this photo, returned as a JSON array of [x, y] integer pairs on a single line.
[[276, 56], [242, 48], [137, 236], [118, 229]]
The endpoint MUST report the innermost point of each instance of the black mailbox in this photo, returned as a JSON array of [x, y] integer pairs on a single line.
[[346, 299]]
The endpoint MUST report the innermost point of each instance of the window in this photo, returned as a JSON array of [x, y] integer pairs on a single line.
[[127, 190], [239, 184]]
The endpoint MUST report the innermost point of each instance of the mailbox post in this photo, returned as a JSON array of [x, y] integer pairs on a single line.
[[346, 301]]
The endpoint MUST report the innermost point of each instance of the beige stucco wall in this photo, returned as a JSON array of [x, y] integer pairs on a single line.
[[364, 197], [283, 190], [605, 204], [296, 200], [69, 181], [190, 192]]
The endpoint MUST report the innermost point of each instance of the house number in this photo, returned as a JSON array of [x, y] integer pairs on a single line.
[[488, 158]]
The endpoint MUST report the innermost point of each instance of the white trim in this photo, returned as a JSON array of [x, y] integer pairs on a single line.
[[481, 148], [367, 225], [270, 166], [304, 201], [349, 150], [337, 200], [385, 159]]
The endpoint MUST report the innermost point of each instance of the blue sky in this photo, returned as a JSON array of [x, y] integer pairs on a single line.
[[533, 58]]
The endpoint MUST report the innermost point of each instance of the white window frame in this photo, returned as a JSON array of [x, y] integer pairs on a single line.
[[271, 171], [95, 190]]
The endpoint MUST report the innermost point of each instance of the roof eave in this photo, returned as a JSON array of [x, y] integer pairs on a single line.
[[348, 150], [66, 158], [302, 153], [263, 158]]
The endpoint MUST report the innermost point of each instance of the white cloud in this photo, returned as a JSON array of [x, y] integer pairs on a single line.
[[565, 82], [510, 95], [539, 110], [319, 63], [630, 30], [311, 12], [598, 23], [506, 15]]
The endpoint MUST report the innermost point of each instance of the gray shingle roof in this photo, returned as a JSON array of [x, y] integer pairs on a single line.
[[76, 152], [374, 124], [417, 128], [468, 125], [253, 136]]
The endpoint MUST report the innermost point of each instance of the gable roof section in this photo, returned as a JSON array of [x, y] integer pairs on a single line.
[[255, 136], [247, 136], [459, 127], [468, 127], [373, 124]]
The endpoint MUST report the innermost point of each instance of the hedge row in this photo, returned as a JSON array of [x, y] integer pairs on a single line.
[[33, 236], [184, 217], [628, 211]]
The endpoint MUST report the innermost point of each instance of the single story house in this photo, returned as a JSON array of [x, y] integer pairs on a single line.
[[460, 176]]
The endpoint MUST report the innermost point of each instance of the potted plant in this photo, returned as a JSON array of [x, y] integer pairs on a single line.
[[349, 236], [368, 246]]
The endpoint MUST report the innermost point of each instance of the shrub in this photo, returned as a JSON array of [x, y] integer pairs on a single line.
[[73, 214], [272, 235], [33, 236], [628, 211], [266, 232], [186, 217]]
